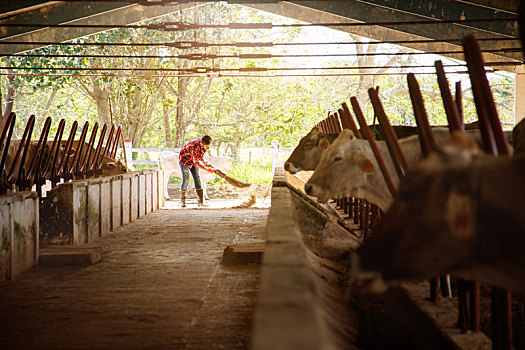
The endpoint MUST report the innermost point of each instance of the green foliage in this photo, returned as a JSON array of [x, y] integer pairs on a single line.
[[253, 172]]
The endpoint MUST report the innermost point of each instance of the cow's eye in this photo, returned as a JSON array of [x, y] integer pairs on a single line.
[[308, 145], [337, 159]]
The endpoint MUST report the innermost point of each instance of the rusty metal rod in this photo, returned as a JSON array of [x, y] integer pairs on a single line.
[[23, 147], [426, 137], [495, 144], [459, 103], [266, 56], [64, 170], [454, 120], [96, 157], [390, 137], [5, 140], [486, 108], [348, 122], [193, 44], [368, 135], [85, 163], [75, 164], [182, 26], [34, 174]]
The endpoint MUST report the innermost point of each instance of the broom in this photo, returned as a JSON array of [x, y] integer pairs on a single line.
[[231, 180]]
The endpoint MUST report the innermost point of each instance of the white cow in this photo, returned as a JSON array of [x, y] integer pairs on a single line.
[[348, 168], [170, 164]]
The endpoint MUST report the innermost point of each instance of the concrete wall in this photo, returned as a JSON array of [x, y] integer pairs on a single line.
[[77, 212], [287, 314], [18, 233]]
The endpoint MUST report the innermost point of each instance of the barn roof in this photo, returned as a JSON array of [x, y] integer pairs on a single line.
[[483, 18]]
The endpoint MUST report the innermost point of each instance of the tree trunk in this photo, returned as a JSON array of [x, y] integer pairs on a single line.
[[50, 99], [167, 130], [10, 99], [101, 97], [182, 88]]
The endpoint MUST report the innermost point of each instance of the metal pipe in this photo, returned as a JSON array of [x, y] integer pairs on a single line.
[[454, 120], [368, 135], [390, 137], [183, 26]]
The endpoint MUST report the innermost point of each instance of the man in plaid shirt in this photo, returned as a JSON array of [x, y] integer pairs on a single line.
[[190, 160]]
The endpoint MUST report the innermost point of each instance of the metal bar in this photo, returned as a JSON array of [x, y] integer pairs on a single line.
[[118, 135], [65, 169], [426, 138], [75, 164], [243, 44], [96, 157], [485, 106], [108, 148], [5, 140], [84, 164], [374, 54], [182, 26], [333, 125], [495, 144], [335, 122], [34, 173], [217, 69], [396, 153], [50, 168], [199, 75], [368, 135], [348, 122], [454, 120], [459, 103], [24, 145]]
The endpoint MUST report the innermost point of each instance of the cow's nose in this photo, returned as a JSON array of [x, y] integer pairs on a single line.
[[308, 189], [287, 166]]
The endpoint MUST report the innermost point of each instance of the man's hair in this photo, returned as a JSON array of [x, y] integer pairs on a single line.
[[206, 139]]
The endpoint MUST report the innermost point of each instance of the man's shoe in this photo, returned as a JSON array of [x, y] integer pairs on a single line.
[[200, 194], [183, 199]]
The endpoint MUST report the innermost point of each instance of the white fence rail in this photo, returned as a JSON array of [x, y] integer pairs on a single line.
[[274, 155]]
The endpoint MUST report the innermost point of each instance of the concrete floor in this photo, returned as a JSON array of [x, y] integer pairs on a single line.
[[160, 285]]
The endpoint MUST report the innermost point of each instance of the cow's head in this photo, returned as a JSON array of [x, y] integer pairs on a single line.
[[307, 154], [342, 170], [114, 168]]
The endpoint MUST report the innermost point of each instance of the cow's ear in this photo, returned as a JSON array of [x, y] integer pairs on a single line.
[[365, 163], [314, 131], [461, 215], [324, 143]]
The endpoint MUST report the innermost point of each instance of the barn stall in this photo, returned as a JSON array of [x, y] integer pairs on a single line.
[[322, 301]]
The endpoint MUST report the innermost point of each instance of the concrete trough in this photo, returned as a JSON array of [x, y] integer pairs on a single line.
[[77, 212], [19, 239], [307, 301]]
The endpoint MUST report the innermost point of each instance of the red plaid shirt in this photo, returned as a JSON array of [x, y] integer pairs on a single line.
[[191, 153]]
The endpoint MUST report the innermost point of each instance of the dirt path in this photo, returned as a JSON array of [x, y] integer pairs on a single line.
[[160, 285]]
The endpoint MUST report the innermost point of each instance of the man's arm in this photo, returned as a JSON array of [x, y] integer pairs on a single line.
[[209, 169]]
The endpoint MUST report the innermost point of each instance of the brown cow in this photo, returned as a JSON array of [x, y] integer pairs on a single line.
[[457, 212], [518, 138], [307, 154]]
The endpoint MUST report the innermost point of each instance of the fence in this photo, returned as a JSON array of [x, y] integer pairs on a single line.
[[274, 154]]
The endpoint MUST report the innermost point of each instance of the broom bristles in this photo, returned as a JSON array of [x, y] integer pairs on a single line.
[[231, 180]]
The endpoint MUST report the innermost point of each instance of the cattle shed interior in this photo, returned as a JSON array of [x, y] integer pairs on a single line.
[[105, 260]]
